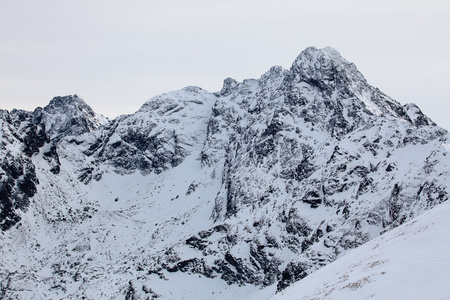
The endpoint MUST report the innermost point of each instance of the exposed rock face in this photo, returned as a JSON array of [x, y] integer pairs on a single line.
[[67, 116], [20, 139], [261, 183], [317, 135], [157, 137], [24, 134]]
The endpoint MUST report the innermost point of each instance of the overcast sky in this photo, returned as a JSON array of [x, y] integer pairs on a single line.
[[118, 54]]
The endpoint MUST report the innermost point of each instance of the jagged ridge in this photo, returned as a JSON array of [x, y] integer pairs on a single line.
[[261, 183]]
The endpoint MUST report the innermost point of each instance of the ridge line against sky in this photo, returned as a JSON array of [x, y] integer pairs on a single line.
[[117, 55]]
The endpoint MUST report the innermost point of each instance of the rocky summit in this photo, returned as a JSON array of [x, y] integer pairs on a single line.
[[233, 194]]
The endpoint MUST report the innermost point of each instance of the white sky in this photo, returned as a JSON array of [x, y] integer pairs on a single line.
[[118, 54]]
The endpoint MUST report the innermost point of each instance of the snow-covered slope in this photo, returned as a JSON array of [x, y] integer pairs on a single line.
[[218, 194], [409, 262]]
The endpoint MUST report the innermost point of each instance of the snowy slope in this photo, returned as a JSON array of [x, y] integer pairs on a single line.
[[234, 194], [409, 262]]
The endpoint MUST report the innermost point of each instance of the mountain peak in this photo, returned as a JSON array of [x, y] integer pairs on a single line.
[[333, 77], [313, 55], [229, 85], [324, 64], [68, 115], [68, 104]]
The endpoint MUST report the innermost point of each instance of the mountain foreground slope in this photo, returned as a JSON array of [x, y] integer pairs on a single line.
[[211, 195], [409, 262]]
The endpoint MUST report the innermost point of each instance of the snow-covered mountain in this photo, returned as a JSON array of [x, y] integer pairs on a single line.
[[211, 195]]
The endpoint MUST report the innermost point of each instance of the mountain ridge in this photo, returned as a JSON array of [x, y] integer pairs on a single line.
[[257, 185]]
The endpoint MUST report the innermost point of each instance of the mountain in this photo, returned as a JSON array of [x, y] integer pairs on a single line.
[[233, 194]]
